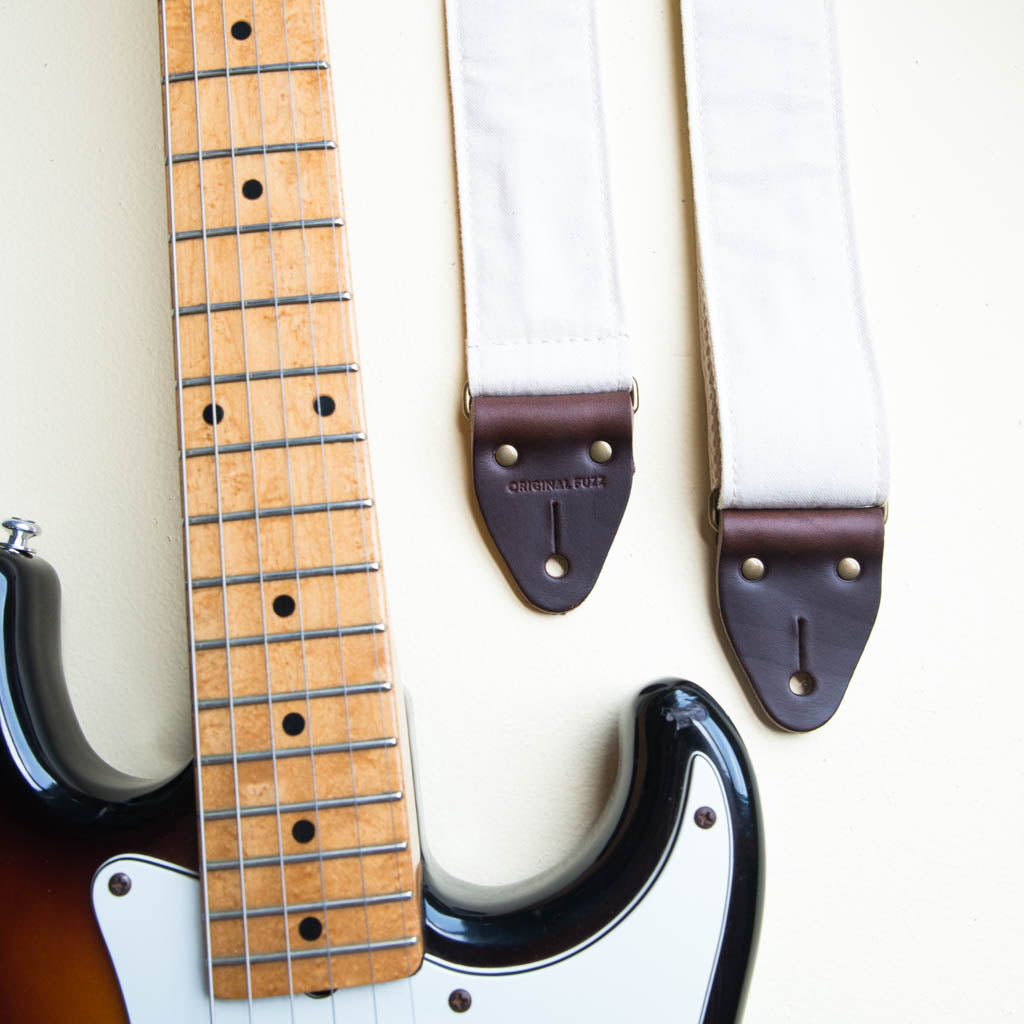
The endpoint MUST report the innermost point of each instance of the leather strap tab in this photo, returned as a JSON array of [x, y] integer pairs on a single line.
[[799, 630], [554, 500]]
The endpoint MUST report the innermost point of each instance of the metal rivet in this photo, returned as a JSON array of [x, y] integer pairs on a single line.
[[460, 1000], [556, 566], [752, 569], [119, 884], [802, 684], [506, 455], [705, 817], [848, 568], [600, 451]]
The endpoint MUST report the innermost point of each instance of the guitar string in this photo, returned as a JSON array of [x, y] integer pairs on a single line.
[[220, 516], [323, 459], [327, 110], [291, 504], [255, 485], [184, 488]]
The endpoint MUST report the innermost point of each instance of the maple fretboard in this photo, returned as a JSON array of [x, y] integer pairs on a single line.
[[310, 869]]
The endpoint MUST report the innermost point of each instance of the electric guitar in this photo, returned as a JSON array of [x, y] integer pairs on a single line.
[[291, 888]]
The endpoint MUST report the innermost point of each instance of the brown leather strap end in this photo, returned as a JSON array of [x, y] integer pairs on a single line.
[[798, 591], [552, 475]]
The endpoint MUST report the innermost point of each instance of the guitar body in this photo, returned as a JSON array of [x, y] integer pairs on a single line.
[[282, 879], [656, 957], [54, 965], [659, 915]]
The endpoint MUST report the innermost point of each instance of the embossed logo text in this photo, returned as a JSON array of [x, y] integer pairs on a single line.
[[568, 483]]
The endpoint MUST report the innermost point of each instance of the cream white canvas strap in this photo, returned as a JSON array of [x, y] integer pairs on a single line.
[[792, 385], [543, 306], [794, 406]]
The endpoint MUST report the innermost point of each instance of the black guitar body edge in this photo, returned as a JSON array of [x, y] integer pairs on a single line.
[[52, 774]]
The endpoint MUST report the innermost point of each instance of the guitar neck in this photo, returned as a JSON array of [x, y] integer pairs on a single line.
[[309, 865]]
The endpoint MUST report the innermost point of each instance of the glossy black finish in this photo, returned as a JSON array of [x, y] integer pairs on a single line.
[[674, 720], [51, 758]]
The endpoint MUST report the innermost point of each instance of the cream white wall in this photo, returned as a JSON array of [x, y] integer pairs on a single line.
[[893, 835]]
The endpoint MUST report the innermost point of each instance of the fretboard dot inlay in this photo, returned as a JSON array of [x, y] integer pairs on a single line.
[[324, 405], [241, 30], [303, 830], [310, 929], [284, 605], [211, 412], [252, 189], [293, 723]]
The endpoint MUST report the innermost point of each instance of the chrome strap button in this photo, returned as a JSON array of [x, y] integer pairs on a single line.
[[22, 531]]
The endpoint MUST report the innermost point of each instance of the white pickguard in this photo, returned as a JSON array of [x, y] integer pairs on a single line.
[[656, 961]]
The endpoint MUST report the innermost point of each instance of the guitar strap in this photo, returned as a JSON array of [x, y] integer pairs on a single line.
[[549, 391], [797, 436]]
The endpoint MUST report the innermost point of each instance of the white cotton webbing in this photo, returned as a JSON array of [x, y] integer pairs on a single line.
[[795, 410], [543, 305]]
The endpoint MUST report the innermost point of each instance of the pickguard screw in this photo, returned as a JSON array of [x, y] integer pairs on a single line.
[[460, 1000], [119, 884], [705, 817]]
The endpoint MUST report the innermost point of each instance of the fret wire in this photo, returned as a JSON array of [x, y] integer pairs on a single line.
[[361, 419], [287, 510], [246, 69], [306, 858], [274, 147], [185, 504], [308, 954], [256, 229], [212, 760], [286, 300], [280, 638], [302, 908], [353, 689], [293, 371], [287, 574], [303, 805], [263, 446]]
